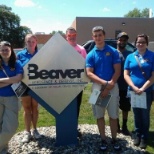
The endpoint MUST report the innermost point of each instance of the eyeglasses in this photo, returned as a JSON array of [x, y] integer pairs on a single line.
[[141, 42], [97, 28], [71, 35], [99, 35], [4, 50]]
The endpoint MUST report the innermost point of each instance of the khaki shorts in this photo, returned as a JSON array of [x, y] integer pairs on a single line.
[[112, 108]]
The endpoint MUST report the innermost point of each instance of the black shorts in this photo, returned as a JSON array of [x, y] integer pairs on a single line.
[[25, 93], [124, 101]]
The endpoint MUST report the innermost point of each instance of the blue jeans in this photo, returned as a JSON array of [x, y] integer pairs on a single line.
[[142, 118]]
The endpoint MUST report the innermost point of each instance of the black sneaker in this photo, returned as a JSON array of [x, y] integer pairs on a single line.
[[79, 133], [136, 141], [125, 131], [143, 144], [118, 130], [116, 145], [103, 145]]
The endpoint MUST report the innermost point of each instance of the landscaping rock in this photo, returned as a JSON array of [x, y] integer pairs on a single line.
[[88, 144]]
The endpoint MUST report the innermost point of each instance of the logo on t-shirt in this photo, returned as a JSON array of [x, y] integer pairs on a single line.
[[108, 53]]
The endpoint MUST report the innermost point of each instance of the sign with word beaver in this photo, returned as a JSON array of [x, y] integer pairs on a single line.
[[56, 73]]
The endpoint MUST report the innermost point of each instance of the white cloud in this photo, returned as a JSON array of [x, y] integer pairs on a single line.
[[106, 9], [24, 3], [134, 2]]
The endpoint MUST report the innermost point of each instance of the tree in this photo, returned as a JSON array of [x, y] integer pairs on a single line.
[[59, 31], [10, 29], [136, 13], [145, 13]]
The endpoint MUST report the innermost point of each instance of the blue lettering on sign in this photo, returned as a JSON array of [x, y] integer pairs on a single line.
[[52, 74]]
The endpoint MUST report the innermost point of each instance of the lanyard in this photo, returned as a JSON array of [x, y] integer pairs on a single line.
[[141, 69], [4, 72]]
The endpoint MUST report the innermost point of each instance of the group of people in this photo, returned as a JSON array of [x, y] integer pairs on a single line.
[[120, 73], [117, 70], [11, 71]]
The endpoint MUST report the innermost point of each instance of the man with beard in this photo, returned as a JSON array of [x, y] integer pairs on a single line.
[[124, 102]]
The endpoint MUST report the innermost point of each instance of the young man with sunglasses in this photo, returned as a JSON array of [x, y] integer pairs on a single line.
[[103, 68], [71, 38]]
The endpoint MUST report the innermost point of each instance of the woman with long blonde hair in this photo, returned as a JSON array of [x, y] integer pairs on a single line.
[[29, 104]]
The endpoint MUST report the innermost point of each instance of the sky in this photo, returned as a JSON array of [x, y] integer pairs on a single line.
[[53, 15]]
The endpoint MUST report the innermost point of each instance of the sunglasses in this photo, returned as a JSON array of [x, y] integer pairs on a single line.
[[5, 43], [71, 35]]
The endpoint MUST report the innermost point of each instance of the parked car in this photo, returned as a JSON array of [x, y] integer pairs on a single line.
[[89, 45]]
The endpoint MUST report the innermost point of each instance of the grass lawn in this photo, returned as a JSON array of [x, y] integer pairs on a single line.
[[86, 116]]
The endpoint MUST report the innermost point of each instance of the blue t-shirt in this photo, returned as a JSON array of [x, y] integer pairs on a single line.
[[7, 90], [24, 56], [147, 63], [121, 81], [102, 61]]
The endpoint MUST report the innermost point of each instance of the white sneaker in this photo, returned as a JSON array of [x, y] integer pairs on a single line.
[[36, 134], [27, 137]]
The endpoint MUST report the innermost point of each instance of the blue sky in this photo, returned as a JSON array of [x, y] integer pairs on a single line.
[[48, 15]]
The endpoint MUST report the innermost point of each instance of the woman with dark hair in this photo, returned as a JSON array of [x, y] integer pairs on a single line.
[[29, 104], [139, 74], [10, 72]]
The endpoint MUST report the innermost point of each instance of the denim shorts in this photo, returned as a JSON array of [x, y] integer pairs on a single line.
[[25, 93]]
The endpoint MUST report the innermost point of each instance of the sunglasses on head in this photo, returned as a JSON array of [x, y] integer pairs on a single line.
[[5, 43]]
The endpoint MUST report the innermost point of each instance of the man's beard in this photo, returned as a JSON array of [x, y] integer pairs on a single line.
[[122, 46]]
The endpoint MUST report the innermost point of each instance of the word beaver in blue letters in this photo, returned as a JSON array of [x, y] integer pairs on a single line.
[[52, 74]]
